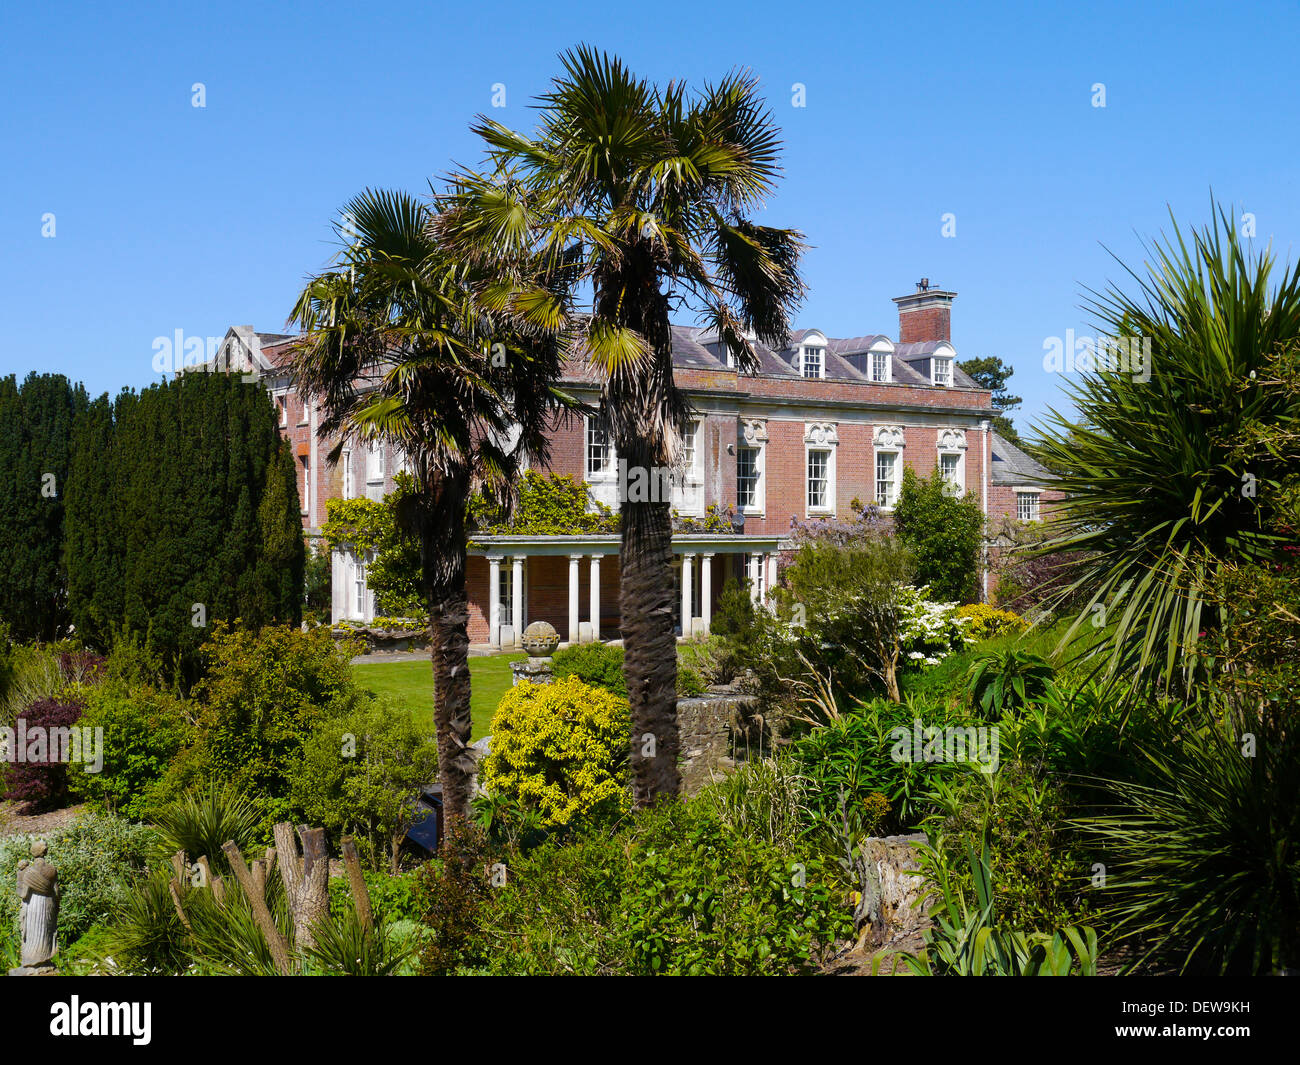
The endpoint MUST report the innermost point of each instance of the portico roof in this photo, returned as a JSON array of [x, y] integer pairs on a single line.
[[609, 544]]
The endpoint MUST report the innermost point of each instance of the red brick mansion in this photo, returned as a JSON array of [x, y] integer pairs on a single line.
[[825, 421]]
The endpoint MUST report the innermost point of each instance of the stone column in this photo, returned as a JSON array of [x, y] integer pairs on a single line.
[[688, 564], [706, 591], [517, 604], [595, 598], [751, 571], [573, 597], [769, 581], [494, 600]]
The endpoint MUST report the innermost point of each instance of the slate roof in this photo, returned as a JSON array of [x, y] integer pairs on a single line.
[[697, 348], [1013, 466]]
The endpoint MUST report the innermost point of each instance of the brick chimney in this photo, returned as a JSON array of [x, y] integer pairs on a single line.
[[925, 315]]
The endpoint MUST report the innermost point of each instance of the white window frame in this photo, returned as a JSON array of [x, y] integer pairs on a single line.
[[1032, 495], [957, 484], [348, 474], [891, 496], [826, 504], [812, 351], [883, 373], [690, 448], [887, 440], [360, 588], [609, 468], [819, 437], [282, 408], [941, 380], [306, 484], [753, 435], [375, 470], [756, 506]]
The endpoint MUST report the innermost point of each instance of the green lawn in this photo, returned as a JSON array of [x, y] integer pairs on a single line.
[[411, 684]]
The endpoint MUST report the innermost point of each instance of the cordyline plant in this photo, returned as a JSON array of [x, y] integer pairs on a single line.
[[1158, 494], [397, 348], [641, 197]]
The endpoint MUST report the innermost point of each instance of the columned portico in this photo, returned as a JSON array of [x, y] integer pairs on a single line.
[[706, 591], [494, 600], [554, 593], [517, 600], [574, 578]]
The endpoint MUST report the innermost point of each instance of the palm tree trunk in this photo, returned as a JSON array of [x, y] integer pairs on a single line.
[[443, 552], [449, 650], [650, 647], [643, 404]]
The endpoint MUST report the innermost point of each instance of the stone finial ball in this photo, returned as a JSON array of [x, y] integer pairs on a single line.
[[540, 639], [39, 848]]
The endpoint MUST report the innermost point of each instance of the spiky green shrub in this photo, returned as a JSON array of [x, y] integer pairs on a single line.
[[967, 940], [1203, 860], [200, 822], [1158, 493]]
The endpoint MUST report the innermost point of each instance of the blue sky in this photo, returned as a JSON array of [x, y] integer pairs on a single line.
[[169, 216]]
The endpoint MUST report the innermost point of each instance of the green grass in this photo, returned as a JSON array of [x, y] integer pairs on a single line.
[[411, 684]]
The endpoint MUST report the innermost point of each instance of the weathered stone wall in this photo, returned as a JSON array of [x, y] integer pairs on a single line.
[[707, 725]]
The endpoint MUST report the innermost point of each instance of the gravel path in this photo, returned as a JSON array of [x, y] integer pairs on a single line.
[[13, 823]]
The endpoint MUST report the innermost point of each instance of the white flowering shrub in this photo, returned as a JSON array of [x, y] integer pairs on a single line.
[[929, 631]]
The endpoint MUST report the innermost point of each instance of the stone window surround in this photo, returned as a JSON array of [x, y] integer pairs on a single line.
[[949, 441], [820, 436], [887, 439]]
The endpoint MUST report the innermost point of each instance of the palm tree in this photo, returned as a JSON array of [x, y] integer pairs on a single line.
[[1161, 492], [397, 349], [641, 196]]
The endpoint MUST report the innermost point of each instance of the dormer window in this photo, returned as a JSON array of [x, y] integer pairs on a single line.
[[814, 361], [880, 366], [942, 373]]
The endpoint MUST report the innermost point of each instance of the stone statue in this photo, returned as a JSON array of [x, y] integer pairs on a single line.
[[38, 894], [540, 641]]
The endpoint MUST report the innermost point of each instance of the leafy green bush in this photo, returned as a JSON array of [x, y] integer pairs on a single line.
[[392, 898], [1004, 683], [546, 505], [98, 859], [703, 900], [597, 664], [358, 774], [144, 728], [261, 697], [674, 892], [1039, 872], [966, 938], [855, 756], [561, 910], [560, 749], [601, 665], [944, 533]]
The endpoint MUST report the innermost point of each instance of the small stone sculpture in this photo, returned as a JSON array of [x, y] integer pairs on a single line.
[[540, 639], [38, 894]]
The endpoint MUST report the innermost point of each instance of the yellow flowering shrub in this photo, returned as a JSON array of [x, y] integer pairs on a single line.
[[560, 749], [987, 621]]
